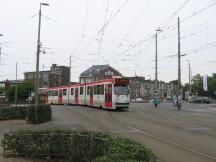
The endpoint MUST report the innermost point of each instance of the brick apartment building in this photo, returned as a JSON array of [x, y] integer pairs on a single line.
[[56, 76]]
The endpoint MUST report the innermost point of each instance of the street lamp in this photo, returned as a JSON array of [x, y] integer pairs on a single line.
[[156, 76], [37, 59]]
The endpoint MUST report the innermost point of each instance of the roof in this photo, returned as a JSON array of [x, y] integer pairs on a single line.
[[94, 69]]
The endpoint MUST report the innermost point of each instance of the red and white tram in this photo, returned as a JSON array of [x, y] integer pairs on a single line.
[[109, 94]]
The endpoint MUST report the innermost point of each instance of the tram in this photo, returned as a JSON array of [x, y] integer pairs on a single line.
[[108, 94]]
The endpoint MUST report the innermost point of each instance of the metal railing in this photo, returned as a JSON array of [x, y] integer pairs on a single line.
[[73, 147]]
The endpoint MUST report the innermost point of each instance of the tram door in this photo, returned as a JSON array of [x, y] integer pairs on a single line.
[[91, 96], [76, 100], [60, 96], [108, 95]]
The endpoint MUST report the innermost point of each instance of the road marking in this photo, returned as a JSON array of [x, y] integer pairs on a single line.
[[198, 114], [173, 143]]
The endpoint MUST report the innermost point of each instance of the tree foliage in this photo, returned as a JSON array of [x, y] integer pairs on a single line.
[[197, 85], [23, 91]]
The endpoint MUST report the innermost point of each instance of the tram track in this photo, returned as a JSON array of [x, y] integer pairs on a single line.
[[109, 121], [159, 138]]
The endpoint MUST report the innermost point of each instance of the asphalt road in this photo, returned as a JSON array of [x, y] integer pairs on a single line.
[[188, 135]]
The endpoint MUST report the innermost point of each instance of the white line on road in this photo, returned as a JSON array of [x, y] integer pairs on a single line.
[[173, 143]]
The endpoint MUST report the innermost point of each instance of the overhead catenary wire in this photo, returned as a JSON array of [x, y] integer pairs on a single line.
[[132, 27], [18, 22], [102, 33], [172, 27]]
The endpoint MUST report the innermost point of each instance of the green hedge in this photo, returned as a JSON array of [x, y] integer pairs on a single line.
[[13, 112], [56, 144], [44, 113], [126, 150], [75, 146]]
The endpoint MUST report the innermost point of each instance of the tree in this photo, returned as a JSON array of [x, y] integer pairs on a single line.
[[212, 85], [23, 91], [197, 86]]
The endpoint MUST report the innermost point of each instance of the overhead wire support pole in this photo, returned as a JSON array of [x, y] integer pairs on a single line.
[[179, 65], [16, 87], [70, 68], [37, 61], [156, 100]]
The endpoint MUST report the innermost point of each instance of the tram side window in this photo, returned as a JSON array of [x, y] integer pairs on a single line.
[[72, 91], [88, 90], [64, 92], [55, 93], [81, 90], [98, 89], [76, 92], [95, 90], [102, 89], [60, 92]]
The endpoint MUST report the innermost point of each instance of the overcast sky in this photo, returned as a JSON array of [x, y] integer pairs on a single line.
[[115, 32]]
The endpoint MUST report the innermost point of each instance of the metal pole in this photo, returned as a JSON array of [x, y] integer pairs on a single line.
[[156, 63], [16, 87], [179, 66], [0, 53], [189, 77], [37, 65], [70, 69]]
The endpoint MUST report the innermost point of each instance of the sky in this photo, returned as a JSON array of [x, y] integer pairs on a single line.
[[120, 33]]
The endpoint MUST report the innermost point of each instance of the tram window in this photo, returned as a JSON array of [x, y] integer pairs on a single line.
[[72, 91], [55, 93], [76, 92], [64, 92], [60, 92], [95, 89], [98, 89], [81, 90], [88, 90], [102, 89]]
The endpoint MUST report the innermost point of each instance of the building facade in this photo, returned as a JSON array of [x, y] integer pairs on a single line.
[[98, 72], [145, 89], [56, 76]]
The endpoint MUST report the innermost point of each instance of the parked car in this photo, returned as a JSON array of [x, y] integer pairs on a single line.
[[202, 99]]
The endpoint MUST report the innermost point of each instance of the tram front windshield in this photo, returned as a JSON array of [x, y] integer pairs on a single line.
[[121, 90]]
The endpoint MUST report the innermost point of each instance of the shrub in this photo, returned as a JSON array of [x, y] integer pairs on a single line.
[[76, 146], [13, 112], [126, 150], [44, 114], [56, 144]]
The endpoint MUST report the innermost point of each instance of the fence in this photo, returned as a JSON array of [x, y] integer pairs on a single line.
[[73, 147]]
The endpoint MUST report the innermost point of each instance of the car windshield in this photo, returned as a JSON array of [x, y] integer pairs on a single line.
[[121, 90]]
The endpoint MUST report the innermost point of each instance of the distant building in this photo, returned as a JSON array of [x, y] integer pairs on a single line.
[[56, 76], [98, 72], [136, 86], [5, 85], [145, 89]]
